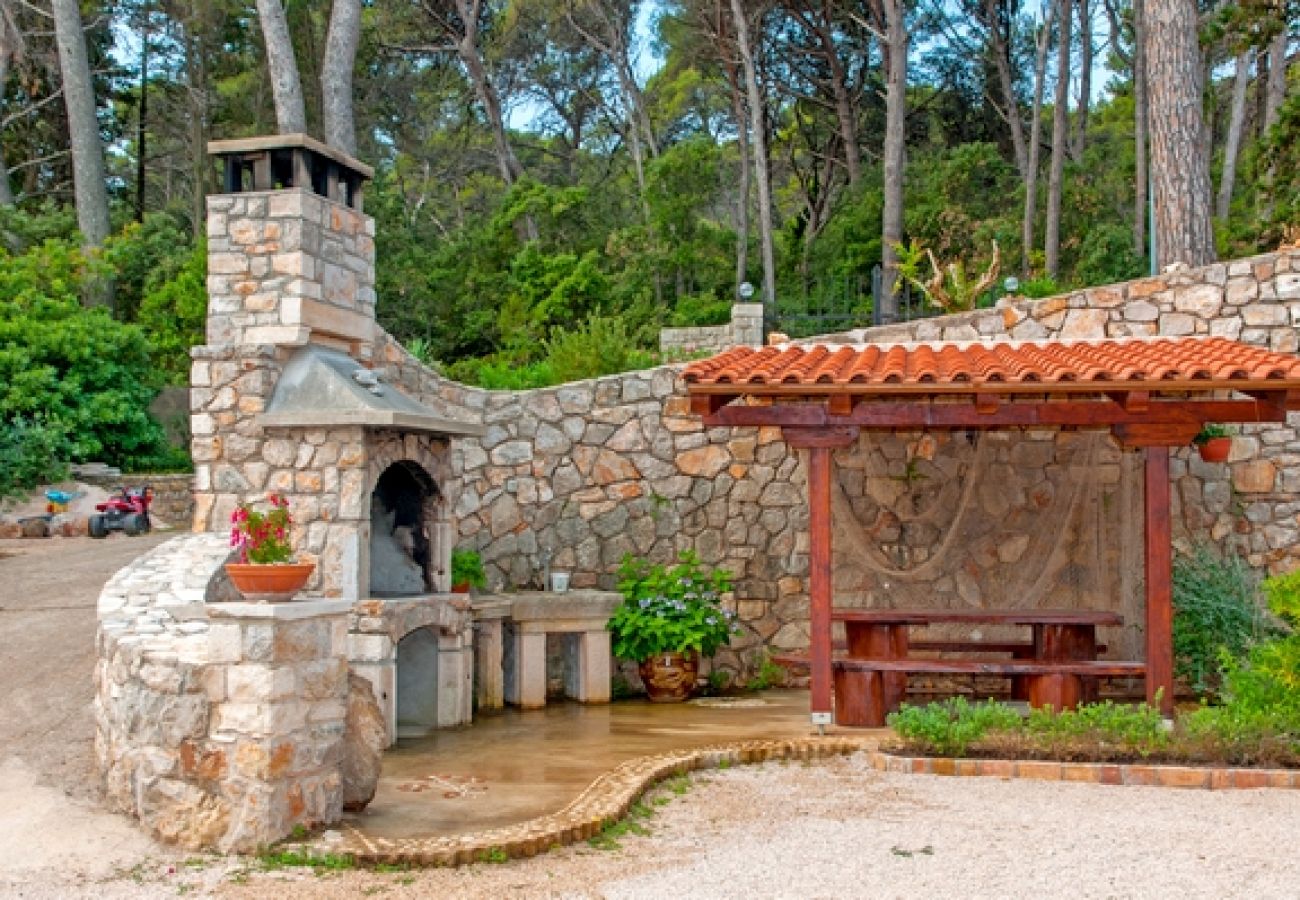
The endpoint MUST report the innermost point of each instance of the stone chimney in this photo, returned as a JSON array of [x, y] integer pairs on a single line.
[[291, 254]]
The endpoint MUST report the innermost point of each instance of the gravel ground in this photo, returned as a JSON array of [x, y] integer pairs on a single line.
[[837, 829]]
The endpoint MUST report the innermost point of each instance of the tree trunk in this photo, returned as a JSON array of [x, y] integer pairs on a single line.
[[746, 175], [1276, 92], [1141, 174], [83, 125], [758, 138], [1006, 81], [1042, 43], [895, 154], [1179, 160], [1060, 138], [142, 120], [336, 75], [196, 73], [290, 113], [846, 111], [1236, 125], [6, 192], [1085, 79]]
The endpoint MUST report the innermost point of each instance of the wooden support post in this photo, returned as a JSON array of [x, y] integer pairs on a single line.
[[819, 580], [1159, 577]]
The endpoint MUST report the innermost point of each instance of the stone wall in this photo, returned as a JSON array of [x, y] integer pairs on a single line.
[[173, 495], [744, 329]]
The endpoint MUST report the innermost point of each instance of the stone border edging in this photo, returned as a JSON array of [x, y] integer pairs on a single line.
[[610, 796], [1150, 775], [605, 801]]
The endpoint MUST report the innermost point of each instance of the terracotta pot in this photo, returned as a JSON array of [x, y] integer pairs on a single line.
[[274, 583], [460, 587], [670, 677], [1216, 449]]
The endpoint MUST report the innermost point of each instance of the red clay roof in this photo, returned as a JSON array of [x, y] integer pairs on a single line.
[[1047, 366]]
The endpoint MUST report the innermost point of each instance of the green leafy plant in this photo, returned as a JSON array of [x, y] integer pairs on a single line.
[[1210, 431], [949, 727], [30, 454], [262, 538], [767, 674], [1138, 728], [1216, 612], [467, 569], [670, 609]]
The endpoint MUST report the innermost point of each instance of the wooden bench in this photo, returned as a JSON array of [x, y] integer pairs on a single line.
[[863, 696]]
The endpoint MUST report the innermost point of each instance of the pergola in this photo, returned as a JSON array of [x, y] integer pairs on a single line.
[[1152, 394]]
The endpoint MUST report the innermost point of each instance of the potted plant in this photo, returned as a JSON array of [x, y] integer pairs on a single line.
[[668, 618], [467, 571], [1214, 442], [266, 571]]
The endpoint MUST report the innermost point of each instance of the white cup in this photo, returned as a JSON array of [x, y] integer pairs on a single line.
[[560, 582]]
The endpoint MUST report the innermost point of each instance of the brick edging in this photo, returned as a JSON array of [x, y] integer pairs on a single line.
[[1204, 777], [604, 802]]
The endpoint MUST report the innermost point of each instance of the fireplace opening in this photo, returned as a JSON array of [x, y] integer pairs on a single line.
[[401, 510]]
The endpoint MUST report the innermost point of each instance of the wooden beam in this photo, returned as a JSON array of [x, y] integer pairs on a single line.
[[842, 404], [1082, 413], [707, 405], [819, 581], [831, 437], [1132, 401], [987, 404], [1159, 580], [1156, 435]]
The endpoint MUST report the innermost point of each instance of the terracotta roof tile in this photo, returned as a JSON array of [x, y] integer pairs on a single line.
[[1169, 363]]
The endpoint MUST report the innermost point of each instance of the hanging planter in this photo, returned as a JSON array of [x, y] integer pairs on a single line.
[[1214, 443]]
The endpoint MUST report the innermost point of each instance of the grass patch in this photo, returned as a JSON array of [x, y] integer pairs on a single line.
[[320, 862], [493, 856]]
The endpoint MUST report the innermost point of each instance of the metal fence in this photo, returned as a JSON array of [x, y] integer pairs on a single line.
[[845, 304]]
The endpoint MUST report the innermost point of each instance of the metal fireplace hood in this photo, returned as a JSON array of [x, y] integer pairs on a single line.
[[323, 388]]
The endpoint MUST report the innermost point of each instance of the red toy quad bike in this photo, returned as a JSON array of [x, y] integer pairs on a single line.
[[127, 510]]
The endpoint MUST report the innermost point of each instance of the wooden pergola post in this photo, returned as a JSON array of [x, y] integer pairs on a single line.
[[1159, 580], [819, 581]]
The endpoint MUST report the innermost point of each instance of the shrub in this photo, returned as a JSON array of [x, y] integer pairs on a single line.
[[30, 454], [600, 346], [670, 609], [1138, 729], [948, 728], [1216, 612], [173, 313], [467, 568]]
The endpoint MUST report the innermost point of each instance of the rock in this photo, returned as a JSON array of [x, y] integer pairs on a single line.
[[364, 739], [1084, 323], [704, 462], [1255, 477]]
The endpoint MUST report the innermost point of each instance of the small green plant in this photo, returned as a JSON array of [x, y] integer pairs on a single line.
[[767, 674], [608, 836], [670, 609], [1138, 729], [493, 856], [949, 727], [285, 859], [467, 569], [1217, 611], [1209, 431], [262, 537], [949, 288]]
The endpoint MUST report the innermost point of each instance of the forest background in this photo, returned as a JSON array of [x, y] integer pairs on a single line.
[[558, 180]]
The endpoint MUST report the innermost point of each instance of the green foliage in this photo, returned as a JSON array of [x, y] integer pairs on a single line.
[[173, 314], [694, 310], [949, 727], [30, 454], [285, 859], [1216, 613], [767, 674], [82, 375], [1037, 288], [1134, 728], [670, 609], [600, 346], [467, 568], [142, 257]]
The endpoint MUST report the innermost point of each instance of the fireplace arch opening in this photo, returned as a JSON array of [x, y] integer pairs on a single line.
[[403, 508]]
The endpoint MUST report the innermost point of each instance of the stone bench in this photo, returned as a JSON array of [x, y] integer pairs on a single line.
[[580, 616]]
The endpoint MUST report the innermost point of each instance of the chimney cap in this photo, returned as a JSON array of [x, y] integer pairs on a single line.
[[297, 141]]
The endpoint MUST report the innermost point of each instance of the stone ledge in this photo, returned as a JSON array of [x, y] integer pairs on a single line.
[[285, 612], [604, 802], [1146, 774]]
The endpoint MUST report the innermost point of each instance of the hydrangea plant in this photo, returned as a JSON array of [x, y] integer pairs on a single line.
[[670, 609]]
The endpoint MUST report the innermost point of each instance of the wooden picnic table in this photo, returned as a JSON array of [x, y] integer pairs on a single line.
[[1057, 668]]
